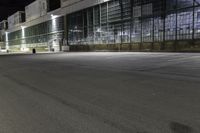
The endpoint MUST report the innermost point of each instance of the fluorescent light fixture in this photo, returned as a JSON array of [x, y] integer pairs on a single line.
[[23, 31], [7, 44], [6, 36]]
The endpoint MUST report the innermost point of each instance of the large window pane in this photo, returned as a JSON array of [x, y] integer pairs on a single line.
[[170, 26], [185, 24], [170, 5], [136, 33], [184, 3], [147, 30], [197, 23], [76, 28], [158, 29], [126, 33], [114, 11]]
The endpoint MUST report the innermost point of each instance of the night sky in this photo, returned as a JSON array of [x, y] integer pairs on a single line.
[[8, 7]]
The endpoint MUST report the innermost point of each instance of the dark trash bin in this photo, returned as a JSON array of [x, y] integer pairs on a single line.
[[34, 51]]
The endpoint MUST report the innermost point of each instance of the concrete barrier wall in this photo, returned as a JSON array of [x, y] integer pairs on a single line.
[[170, 46]]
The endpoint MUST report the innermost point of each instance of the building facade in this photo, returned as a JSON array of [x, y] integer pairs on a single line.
[[120, 25]]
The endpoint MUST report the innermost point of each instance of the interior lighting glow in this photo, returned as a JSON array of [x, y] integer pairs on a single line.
[[54, 16], [7, 43], [23, 31]]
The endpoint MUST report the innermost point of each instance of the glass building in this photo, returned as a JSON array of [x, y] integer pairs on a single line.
[[134, 25]]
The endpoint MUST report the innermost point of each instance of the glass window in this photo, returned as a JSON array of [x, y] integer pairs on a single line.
[[126, 32], [104, 13], [114, 11], [111, 34], [137, 11], [147, 30], [104, 34], [170, 5], [158, 7], [197, 23], [158, 29], [126, 9], [76, 28], [170, 26], [184, 3], [197, 2], [97, 28], [185, 24], [136, 33], [147, 9]]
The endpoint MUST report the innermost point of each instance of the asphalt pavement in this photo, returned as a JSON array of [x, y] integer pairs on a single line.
[[100, 93]]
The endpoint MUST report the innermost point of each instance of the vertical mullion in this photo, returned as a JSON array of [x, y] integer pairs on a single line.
[[131, 24], [176, 36], [100, 14], [176, 32], [164, 22], [107, 22], [193, 21], [141, 32], [93, 25], [86, 26], [153, 26]]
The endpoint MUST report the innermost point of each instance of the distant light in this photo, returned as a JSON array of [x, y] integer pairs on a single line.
[[148, 34], [23, 27], [54, 16], [105, 0], [99, 30]]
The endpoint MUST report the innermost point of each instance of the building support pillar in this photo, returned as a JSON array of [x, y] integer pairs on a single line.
[[65, 38], [122, 24]]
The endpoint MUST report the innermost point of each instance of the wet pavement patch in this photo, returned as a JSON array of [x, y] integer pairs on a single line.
[[180, 128]]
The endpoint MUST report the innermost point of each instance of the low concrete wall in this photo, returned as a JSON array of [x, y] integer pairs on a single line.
[[168, 46], [2, 45], [39, 47]]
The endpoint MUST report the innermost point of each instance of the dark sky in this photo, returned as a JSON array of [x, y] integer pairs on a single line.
[[8, 7]]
